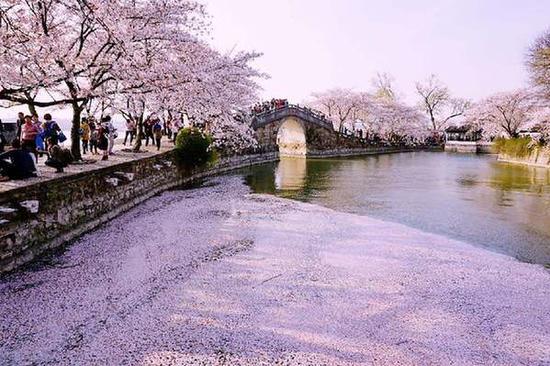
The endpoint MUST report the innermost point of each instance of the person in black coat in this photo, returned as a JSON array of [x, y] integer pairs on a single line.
[[17, 163], [3, 140]]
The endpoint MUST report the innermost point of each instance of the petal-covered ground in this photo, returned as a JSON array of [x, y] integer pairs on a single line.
[[216, 276]]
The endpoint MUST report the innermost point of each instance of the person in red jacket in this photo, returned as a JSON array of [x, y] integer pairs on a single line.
[[29, 131]]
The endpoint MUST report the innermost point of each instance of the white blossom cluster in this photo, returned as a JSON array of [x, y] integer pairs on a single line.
[[506, 114], [386, 117], [134, 57]]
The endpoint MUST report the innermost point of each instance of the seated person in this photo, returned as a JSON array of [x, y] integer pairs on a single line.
[[58, 157], [17, 163]]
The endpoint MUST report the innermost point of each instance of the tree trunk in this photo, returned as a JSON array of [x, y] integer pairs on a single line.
[[32, 109], [30, 104], [139, 134], [75, 132]]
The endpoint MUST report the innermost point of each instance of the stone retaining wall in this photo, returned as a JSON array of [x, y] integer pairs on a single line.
[[49, 214], [318, 154], [539, 157]]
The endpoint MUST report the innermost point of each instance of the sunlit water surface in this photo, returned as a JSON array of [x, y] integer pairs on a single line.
[[502, 207]]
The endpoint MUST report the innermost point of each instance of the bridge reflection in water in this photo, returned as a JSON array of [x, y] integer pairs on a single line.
[[290, 174]]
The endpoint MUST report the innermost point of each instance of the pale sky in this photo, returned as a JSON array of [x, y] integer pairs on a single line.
[[477, 47]]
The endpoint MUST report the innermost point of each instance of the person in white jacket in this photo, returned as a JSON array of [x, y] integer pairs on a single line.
[[108, 124]]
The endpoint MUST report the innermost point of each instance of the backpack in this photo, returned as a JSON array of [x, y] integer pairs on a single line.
[[50, 129]]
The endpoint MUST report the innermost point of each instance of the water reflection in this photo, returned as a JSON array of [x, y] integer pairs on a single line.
[[500, 206], [290, 174], [515, 177]]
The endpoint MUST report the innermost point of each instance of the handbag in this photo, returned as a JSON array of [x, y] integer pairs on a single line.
[[61, 137]]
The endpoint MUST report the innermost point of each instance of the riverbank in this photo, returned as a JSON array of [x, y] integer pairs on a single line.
[[218, 276], [39, 214], [356, 152], [42, 213], [539, 157]]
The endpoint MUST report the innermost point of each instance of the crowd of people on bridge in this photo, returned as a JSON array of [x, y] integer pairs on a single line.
[[276, 104], [269, 106]]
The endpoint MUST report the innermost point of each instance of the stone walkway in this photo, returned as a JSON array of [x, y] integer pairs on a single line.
[[92, 162]]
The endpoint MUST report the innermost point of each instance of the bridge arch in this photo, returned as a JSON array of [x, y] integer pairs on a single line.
[[298, 131], [291, 138]]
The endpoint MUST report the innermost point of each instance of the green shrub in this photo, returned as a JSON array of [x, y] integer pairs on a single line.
[[517, 147], [194, 148]]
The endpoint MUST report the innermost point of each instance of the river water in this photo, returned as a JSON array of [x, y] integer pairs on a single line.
[[473, 198]]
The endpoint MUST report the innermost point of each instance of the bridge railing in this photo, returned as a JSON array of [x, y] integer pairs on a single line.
[[304, 113]]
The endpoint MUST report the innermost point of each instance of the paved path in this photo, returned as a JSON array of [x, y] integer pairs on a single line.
[[216, 276], [122, 154]]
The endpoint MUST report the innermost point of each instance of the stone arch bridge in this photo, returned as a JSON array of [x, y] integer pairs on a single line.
[[299, 131]]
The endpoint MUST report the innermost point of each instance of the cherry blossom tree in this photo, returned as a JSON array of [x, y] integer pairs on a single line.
[[342, 106], [381, 114], [395, 122], [138, 56], [233, 133], [436, 101], [538, 63], [383, 85], [197, 81], [62, 50], [540, 121], [503, 113]]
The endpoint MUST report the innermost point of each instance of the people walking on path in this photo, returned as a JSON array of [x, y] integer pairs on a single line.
[[20, 122], [157, 132], [110, 132], [40, 136], [85, 134], [177, 126], [103, 140], [3, 140], [148, 126], [17, 163], [29, 131], [167, 125], [94, 138], [130, 131]]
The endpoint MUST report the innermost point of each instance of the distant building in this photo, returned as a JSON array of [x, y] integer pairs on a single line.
[[462, 133]]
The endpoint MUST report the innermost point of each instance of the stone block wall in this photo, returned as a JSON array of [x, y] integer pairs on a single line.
[[342, 152], [48, 214], [539, 157]]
